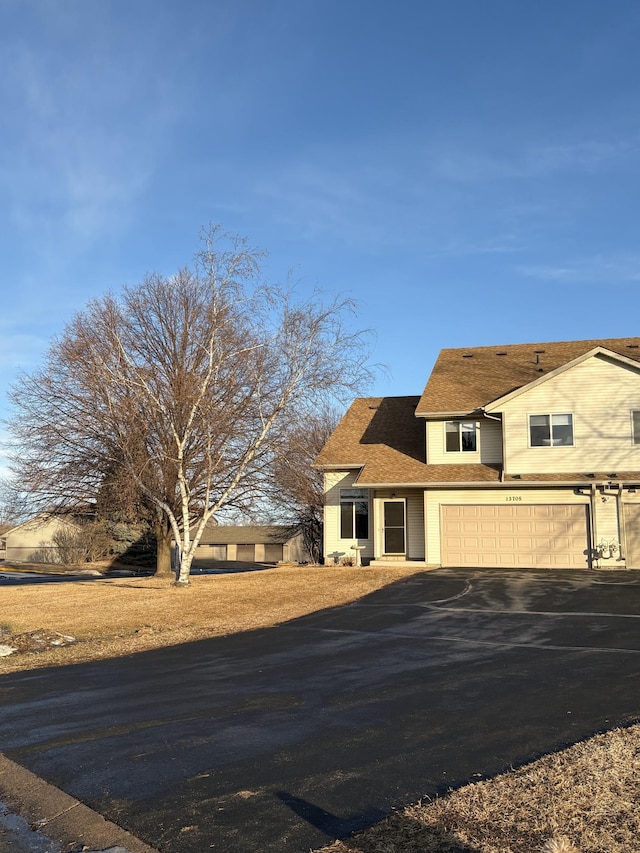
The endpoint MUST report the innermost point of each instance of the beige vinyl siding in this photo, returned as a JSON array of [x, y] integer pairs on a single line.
[[632, 535], [294, 550], [33, 540], [333, 544], [436, 453], [414, 500], [607, 525], [600, 394], [433, 500], [490, 441]]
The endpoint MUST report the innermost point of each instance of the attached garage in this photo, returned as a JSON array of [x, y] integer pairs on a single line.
[[538, 536], [632, 535]]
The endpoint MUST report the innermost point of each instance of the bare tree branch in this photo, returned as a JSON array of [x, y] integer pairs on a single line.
[[182, 392]]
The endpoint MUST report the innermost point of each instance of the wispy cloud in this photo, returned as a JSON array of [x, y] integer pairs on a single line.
[[447, 198], [319, 199], [533, 161], [20, 350], [82, 135], [597, 269], [66, 172]]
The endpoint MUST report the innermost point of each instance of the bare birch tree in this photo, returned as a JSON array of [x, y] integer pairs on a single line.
[[181, 390]]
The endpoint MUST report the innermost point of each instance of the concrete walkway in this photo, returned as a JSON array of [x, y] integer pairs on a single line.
[[279, 740], [50, 821]]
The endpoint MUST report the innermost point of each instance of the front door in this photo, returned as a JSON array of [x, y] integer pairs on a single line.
[[393, 527]]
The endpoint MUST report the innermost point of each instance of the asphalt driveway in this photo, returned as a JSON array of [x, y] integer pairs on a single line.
[[280, 739]]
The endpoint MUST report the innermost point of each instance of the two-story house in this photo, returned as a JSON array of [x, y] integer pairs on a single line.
[[514, 456]]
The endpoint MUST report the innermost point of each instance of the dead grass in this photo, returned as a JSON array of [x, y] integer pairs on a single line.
[[585, 799], [120, 616]]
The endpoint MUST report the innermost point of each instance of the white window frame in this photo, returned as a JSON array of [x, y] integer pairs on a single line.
[[459, 424], [551, 416], [635, 434], [352, 495]]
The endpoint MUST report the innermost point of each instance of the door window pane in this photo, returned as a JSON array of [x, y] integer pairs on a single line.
[[394, 540], [394, 514]]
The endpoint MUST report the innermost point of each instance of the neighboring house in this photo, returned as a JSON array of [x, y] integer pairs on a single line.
[[516, 456], [32, 541], [4, 528], [250, 544]]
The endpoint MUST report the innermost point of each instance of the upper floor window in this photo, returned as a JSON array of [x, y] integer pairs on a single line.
[[551, 430], [354, 513], [635, 423], [460, 435]]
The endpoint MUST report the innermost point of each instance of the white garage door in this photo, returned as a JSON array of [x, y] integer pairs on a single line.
[[548, 536]]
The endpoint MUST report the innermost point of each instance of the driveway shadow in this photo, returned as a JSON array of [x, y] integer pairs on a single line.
[[391, 834]]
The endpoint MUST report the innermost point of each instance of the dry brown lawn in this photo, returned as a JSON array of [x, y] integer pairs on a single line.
[[584, 799], [119, 616]]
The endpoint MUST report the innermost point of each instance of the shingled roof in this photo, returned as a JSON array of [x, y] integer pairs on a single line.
[[383, 438], [470, 378], [249, 534]]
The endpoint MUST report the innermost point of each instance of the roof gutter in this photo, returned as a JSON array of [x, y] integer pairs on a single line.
[[496, 484], [439, 415], [335, 467]]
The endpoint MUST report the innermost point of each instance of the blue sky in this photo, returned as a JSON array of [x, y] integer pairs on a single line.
[[468, 170]]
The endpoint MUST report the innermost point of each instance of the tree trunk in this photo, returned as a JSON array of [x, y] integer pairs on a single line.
[[163, 546], [185, 569]]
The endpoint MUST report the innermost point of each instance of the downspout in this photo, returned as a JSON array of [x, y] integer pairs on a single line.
[[622, 528], [594, 537]]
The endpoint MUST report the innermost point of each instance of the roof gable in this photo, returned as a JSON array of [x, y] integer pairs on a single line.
[[597, 351], [380, 433], [464, 380]]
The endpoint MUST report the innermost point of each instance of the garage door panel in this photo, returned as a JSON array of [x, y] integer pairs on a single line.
[[211, 552], [486, 512], [246, 553], [273, 553], [534, 536]]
